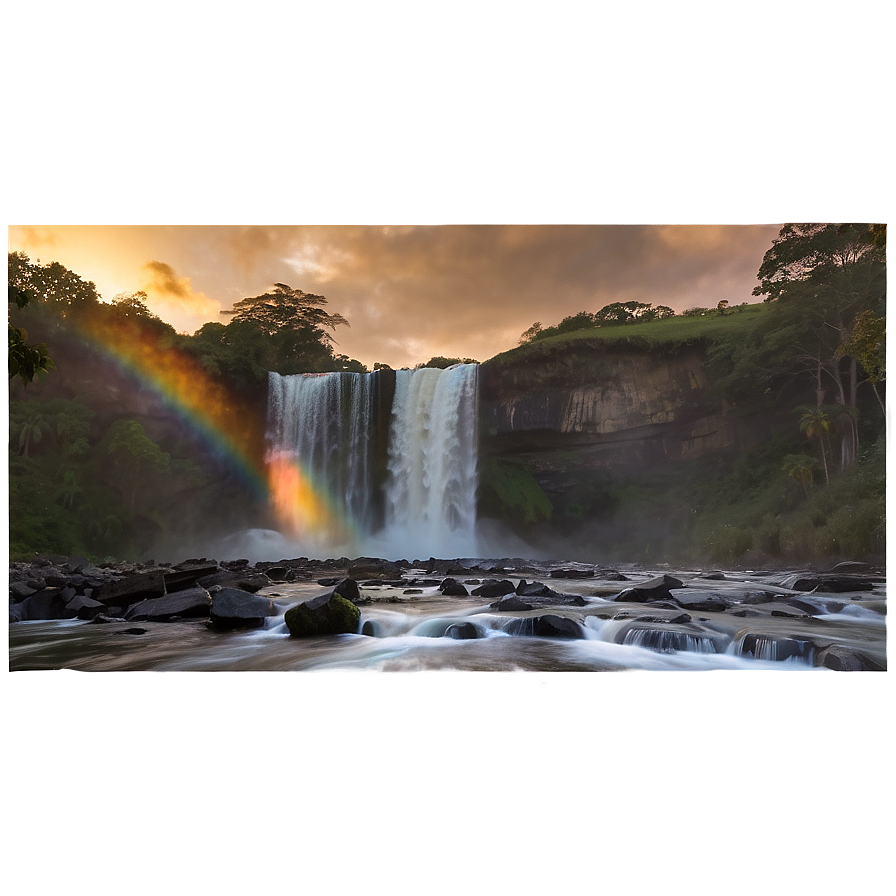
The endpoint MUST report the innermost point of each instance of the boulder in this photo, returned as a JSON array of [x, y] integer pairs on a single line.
[[453, 588], [494, 589], [131, 589], [347, 588], [373, 567], [232, 608], [765, 647], [48, 603], [572, 573], [18, 591], [843, 659], [191, 603], [277, 574], [830, 584], [463, 631], [243, 579], [326, 614], [535, 589], [548, 626], [653, 589], [511, 603], [186, 575], [700, 600], [85, 607]]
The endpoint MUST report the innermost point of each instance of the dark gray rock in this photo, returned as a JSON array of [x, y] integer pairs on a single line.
[[232, 608], [830, 584], [347, 588], [463, 631], [84, 607], [549, 626], [494, 589], [700, 600], [131, 589], [512, 603], [767, 647], [535, 589], [572, 573], [48, 603], [373, 567], [653, 589], [244, 580], [277, 573], [190, 604], [843, 659], [18, 591], [187, 575], [453, 588]]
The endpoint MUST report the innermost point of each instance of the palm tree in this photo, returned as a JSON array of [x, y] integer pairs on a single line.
[[816, 423], [70, 489], [800, 468], [32, 430]]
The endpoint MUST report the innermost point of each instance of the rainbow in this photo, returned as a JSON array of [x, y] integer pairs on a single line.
[[220, 420]]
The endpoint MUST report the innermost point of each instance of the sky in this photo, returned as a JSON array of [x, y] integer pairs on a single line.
[[560, 123], [410, 292]]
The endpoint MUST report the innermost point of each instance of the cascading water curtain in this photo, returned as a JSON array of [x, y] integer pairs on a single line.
[[319, 460], [325, 483], [433, 476]]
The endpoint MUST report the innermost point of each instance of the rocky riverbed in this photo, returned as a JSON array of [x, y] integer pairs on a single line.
[[468, 614]]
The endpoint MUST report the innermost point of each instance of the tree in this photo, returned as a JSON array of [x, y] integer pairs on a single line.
[[819, 279], [58, 288], [866, 344], [443, 363], [816, 424], [531, 333], [23, 359], [32, 430], [623, 313], [135, 457], [800, 468], [286, 308]]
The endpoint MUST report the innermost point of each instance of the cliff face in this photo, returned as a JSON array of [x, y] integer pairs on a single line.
[[597, 412]]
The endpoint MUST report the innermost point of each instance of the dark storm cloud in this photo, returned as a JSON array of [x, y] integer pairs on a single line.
[[163, 278]]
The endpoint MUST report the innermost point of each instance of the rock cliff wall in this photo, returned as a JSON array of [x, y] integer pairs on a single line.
[[598, 410]]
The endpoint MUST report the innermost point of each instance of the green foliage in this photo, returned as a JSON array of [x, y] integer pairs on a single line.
[[665, 334], [24, 360], [867, 344], [728, 543], [443, 363], [507, 490], [60, 290]]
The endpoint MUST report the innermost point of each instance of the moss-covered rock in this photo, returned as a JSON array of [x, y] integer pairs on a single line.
[[326, 614]]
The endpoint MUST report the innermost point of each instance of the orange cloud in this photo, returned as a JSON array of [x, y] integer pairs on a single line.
[[173, 298]]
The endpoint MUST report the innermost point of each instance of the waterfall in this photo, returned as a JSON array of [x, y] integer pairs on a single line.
[[431, 488], [381, 464]]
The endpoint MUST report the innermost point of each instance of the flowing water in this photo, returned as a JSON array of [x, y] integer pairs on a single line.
[[381, 464], [401, 631]]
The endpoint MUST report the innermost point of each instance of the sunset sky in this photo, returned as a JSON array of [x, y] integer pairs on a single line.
[[412, 292]]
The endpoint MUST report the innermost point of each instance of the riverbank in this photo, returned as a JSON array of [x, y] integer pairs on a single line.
[[463, 614]]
